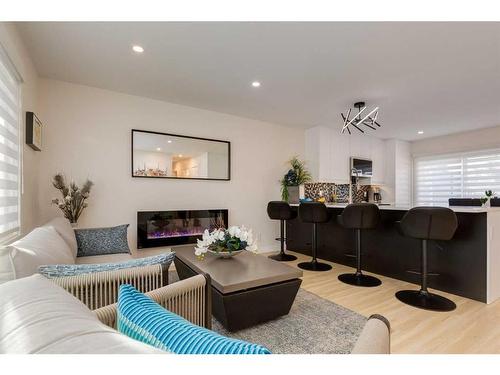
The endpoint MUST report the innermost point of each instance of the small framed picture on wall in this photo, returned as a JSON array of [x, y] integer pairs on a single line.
[[33, 131]]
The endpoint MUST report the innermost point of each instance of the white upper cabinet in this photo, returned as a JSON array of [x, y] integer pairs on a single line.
[[360, 146], [328, 153], [340, 154]]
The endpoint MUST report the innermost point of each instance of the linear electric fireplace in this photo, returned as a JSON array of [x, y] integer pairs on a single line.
[[170, 228]]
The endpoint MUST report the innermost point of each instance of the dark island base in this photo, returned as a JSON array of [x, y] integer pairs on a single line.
[[460, 263]]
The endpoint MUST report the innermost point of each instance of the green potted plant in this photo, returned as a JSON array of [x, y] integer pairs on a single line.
[[297, 175], [486, 199]]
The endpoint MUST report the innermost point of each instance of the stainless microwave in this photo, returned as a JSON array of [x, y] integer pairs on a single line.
[[364, 167]]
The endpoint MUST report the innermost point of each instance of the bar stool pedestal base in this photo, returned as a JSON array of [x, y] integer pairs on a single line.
[[314, 266], [283, 257], [425, 300], [359, 279]]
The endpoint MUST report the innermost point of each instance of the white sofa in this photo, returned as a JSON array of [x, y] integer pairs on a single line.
[[52, 243], [37, 316], [55, 244]]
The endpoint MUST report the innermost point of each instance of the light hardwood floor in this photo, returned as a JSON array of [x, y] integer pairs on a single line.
[[473, 327]]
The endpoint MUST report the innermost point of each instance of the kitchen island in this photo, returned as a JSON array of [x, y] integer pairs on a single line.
[[468, 265]]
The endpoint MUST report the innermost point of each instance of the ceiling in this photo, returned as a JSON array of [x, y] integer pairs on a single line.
[[441, 78]]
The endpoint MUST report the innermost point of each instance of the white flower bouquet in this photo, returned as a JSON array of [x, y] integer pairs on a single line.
[[226, 242]]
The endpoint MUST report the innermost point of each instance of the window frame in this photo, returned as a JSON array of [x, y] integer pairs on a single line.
[[457, 154], [11, 67]]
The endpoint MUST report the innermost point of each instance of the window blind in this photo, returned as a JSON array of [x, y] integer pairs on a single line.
[[464, 175], [9, 150]]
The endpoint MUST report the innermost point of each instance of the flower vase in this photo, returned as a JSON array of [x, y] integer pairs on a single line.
[[293, 194]]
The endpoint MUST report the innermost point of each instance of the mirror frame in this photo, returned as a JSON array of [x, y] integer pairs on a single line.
[[181, 136]]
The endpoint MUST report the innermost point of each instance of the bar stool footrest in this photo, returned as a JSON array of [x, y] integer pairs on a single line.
[[419, 273]]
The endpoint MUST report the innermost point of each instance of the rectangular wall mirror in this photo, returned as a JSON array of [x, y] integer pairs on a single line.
[[161, 155]]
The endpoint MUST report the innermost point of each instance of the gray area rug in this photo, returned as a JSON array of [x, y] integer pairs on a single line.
[[313, 326]]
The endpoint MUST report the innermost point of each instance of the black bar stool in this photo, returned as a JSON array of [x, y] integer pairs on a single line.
[[359, 216], [279, 210], [314, 212], [427, 223]]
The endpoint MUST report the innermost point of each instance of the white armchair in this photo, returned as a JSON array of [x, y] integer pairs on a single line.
[[97, 289], [190, 298]]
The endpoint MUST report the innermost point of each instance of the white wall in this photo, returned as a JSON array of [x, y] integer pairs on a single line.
[[313, 151], [11, 41], [87, 134], [465, 141], [398, 172]]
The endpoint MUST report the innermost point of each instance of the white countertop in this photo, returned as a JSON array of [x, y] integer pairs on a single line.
[[465, 209]]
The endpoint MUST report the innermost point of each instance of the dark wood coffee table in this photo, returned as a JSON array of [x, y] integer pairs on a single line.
[[247, 289]]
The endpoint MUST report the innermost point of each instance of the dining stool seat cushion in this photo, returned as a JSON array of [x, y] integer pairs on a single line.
[[313, 212], [360, 216], [429, 223], [279, 210]]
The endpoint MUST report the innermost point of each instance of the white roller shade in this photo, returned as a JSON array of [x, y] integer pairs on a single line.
[[9, 150], [464, 175]]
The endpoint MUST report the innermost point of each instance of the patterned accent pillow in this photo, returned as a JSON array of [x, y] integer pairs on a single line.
[[142, 319], [100, 241], [62, 270]]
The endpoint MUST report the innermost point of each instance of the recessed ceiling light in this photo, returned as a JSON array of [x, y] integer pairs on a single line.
[[158, 149], [138, 49], [256, 84], [169, 141], [420, 132]]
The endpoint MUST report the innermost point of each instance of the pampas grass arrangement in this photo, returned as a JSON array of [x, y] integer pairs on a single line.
[[74, 198]]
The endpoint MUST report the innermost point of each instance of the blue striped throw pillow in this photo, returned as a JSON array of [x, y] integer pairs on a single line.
[[142, 319]]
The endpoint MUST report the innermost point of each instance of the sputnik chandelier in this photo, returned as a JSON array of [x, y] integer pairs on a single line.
[[360, 119]]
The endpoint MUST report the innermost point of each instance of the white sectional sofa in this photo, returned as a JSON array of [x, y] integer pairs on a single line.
[[55, 244], [52, 243], [37, 316]]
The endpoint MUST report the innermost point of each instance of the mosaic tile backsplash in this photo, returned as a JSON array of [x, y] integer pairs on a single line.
[[338, 193]]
